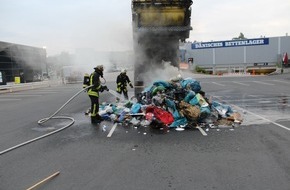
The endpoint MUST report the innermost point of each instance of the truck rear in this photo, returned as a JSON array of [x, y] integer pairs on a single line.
[[158, 26]]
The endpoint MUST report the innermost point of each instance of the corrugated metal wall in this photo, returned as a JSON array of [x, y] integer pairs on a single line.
[[233, 55], [242, 55], [285, 44]]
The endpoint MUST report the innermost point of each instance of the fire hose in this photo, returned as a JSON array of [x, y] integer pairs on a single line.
[[53, 116]]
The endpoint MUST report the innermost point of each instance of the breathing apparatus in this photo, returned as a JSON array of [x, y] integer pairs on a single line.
[[86, 81]]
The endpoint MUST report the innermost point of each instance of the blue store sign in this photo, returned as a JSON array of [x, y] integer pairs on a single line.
[[231, 43]]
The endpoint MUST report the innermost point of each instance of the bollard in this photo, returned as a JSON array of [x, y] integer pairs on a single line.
[[139, 87]]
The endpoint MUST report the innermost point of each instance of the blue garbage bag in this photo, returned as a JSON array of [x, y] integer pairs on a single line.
[[205, 110], [194, 101], [178, 119], [189, 96], [106, 117], [162, 83], [170, 104], [178, 122], [223, 109], [192, 83], [136, 108]]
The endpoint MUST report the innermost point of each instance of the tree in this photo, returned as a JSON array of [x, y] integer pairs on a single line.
[[240, 37]]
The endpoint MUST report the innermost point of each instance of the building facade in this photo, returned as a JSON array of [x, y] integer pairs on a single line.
[[26, 62], [243, 55]]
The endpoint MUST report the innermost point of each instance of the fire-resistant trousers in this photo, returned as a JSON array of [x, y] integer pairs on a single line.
[[94, 106]]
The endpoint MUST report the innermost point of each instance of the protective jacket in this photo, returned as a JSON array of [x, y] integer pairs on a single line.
[[95, 81], [122, 81]]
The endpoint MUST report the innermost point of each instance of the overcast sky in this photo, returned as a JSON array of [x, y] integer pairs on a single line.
[[105, 25]]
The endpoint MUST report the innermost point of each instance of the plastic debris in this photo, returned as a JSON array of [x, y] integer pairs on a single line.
[[179, 103], [179, 129]]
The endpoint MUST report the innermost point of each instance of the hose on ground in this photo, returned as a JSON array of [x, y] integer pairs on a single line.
[[41, 121]]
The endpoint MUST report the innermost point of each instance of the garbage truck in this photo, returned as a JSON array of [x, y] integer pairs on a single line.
[[158, 27]]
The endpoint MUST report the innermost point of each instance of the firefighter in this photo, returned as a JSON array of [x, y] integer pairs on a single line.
[[93, 93], [122, 80]]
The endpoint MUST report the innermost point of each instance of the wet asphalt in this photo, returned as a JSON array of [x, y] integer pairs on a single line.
[[254, 155]]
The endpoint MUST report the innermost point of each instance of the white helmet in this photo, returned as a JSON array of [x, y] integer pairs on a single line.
[[123, 71]]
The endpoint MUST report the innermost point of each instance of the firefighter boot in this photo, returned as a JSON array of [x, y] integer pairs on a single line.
[[99, 118], [94, 120]]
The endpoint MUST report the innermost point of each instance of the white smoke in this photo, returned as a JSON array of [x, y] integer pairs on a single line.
[[166, 72]]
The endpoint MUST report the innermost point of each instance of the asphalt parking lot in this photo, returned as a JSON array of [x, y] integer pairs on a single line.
[[252, 156]]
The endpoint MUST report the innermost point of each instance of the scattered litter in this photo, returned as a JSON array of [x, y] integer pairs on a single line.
[[178, 103], [179, 129], [212, 126], [134, 121], [104, 128]]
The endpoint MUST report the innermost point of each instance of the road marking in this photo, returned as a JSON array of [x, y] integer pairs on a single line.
[[112, 130], [264, 102], [50, 90], [255, 99], [46, 92], [218, 84], [241, 83], [273, 122], [202, 131], [255, 96], [259, 82], [10, 99], [259, 116], [23, 95], [285, 82]]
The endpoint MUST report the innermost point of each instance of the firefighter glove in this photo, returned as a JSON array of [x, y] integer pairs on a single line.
[[104, 88]]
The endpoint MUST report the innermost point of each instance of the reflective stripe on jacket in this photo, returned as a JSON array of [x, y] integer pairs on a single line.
[[94, 80]]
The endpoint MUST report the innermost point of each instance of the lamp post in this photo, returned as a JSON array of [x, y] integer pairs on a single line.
[[44, 61]]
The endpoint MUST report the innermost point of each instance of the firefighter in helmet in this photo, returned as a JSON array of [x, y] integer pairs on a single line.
[[122, 81], [93, 93]]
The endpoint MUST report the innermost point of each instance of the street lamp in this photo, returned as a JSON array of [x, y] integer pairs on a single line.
[[45, 61]]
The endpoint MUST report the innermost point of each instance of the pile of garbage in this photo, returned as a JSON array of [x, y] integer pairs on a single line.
[[178, 103]]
